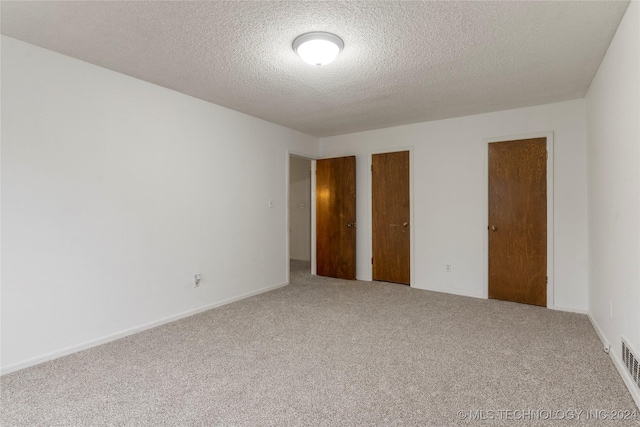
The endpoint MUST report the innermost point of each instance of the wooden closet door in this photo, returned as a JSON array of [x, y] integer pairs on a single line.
[[391, 213], [518, 221], [336, 217]]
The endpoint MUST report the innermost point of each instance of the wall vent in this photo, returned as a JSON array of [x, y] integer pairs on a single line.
[[632, 362]]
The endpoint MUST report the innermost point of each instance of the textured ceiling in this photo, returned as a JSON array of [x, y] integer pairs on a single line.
[[403, 62]]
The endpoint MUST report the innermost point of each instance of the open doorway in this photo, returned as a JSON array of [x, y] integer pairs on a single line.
[[300, 225]]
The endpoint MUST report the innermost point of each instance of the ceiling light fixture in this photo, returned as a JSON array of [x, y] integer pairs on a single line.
[[318, 48]]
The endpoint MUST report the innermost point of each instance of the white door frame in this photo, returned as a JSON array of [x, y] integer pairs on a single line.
[[412, 227], [288, 154], [550, 235]]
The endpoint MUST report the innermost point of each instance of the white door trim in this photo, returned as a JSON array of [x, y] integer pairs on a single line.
[[550, 210], [408, 148]]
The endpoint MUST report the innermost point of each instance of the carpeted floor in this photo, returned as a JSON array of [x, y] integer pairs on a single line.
[[335, 353]]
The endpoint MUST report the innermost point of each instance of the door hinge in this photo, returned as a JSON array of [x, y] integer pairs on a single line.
[[547, 282], [371, 168], [371, 260]]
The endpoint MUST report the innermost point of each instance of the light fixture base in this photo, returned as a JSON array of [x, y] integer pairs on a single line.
[[318, 47]]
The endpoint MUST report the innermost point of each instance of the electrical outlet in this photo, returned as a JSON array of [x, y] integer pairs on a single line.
[[197, 278], [447, 268]]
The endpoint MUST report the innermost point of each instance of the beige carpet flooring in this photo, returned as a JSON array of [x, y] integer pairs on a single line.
[[326, 352]]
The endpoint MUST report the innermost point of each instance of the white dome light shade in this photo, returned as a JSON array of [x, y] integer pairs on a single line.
[[318, 48]]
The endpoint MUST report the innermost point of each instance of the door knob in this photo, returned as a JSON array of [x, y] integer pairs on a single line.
[[493, 228], [404, 224], [351, 224]]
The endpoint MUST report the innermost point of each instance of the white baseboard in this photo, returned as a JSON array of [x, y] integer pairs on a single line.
[[568, 309], [617, 362], [626, 377], [112, 337], [448, 291], [598, 330]]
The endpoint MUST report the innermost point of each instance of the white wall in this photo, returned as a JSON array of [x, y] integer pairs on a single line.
[[613, 120], [115, 192], [450, 197], [300, 208]]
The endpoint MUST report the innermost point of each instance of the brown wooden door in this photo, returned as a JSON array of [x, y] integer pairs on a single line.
[[518, 221], [390, 201], [336, 217]]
